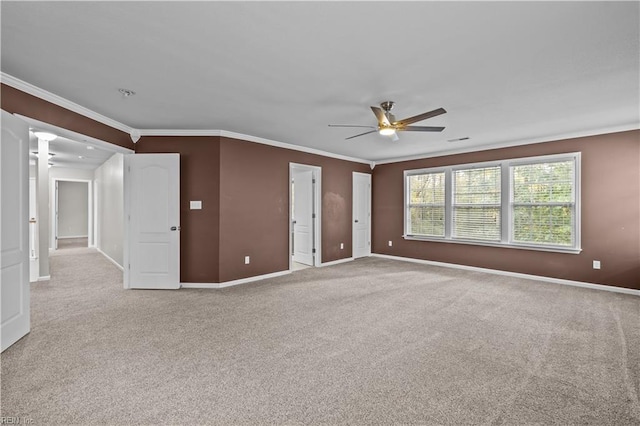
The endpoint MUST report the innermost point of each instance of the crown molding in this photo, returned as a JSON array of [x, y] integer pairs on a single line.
[[136, 133], [29, 88], [564, 136], [249, 138]]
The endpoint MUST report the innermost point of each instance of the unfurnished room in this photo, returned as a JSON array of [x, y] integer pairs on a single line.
[[306, 212]]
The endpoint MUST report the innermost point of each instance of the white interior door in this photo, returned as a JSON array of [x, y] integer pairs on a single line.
[[14, 230], [152, 221], [361, 214], [302, 218]]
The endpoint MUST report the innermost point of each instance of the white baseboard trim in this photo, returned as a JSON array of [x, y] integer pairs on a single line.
[[515, 274], [70, 237], [336, 262], [234, 282], [110, 259], [44, 278]]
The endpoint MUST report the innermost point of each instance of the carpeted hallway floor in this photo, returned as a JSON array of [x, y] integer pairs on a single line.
[[372, 341]]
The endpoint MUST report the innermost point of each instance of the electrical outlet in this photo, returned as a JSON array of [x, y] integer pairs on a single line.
[[596, 264], [390, 243], [341, 246], [246, 260]]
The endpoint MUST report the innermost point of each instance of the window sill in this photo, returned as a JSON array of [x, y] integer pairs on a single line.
[[554, 249]]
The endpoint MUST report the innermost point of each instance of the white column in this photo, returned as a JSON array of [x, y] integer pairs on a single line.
[[42, 189]]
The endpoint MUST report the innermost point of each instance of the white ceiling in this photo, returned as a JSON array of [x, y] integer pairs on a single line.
[[506, 72], [71, 153], [70, 149]]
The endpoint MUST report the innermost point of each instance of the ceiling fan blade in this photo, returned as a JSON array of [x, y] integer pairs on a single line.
[[420, 117], [361, 134], [420, 129], [350, 125], [382, 119]]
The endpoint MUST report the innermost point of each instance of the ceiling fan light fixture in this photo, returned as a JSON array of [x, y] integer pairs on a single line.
[[387, 131]]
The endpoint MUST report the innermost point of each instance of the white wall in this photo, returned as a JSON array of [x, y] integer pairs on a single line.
[[109, 194], [62, 173], [73, 209]]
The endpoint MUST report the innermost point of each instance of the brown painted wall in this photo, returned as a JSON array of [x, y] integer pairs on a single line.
[[254, 203], [610, 214], [18, 102], [199, 180]]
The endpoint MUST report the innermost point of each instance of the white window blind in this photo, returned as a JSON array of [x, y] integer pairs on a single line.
[[425, 210], [543, 203], [476, 204]]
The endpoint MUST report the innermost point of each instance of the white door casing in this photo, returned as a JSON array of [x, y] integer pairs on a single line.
[[34, 267], [152, 221], [54, 222], [55, 217], [14, 230], [302, 221], [361, 215]]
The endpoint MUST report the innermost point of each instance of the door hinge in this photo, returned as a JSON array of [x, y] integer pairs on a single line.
[[313, 181], [313, 251], [129, 266], [313, 215]]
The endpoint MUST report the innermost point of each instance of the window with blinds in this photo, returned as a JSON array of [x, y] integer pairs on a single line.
[[476, 204], [543, 203], [524, 202], [426, 204]]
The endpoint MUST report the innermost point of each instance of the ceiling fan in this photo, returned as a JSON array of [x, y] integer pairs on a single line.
[[388, 125]]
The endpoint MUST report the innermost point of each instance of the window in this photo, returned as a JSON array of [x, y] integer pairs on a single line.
[[476, 203], [426, 204], [543, 204], [522, 203]]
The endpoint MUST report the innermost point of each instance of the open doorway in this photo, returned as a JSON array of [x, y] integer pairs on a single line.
[[93, 218], [304, 216], [72, 224]]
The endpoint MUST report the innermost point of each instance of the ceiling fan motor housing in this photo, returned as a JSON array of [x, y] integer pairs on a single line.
[[387, 105]]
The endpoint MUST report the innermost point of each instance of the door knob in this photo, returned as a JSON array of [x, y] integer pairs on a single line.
[[356, 221], [175, 228]]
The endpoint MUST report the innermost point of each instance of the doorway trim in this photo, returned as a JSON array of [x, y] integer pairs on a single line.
[[317, 211], [91, 242]]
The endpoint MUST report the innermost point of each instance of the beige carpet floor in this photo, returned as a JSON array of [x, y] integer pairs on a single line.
[[67, 243], [373, 341]]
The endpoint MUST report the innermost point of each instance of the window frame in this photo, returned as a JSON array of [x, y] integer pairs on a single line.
[[506, 206], [408, 204], [454, 204]]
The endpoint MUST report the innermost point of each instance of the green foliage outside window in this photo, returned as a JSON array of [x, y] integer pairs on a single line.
[[427, 204], [543, 203]]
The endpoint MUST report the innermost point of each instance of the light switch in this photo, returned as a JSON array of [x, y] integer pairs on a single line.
[[195, 205]]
